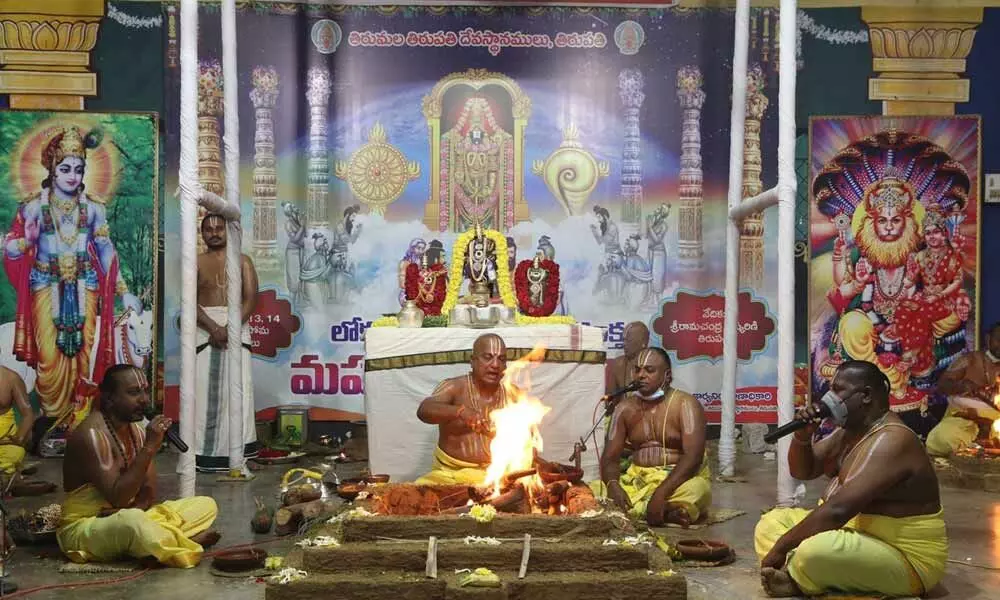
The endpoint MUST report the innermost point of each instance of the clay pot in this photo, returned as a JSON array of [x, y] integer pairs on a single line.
[[238, 561], [561, 473], [350, 488], [377, 478], [703, 549]]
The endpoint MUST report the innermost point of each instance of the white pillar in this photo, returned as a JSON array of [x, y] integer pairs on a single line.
[[786, 240], [727, 436], [234, 325], [189, 235]]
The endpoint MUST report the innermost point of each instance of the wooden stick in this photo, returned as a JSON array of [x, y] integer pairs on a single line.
[[525, 553], [288, 518], [432, 558]]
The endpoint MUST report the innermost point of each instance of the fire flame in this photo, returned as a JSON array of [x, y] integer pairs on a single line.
[[516, 435]]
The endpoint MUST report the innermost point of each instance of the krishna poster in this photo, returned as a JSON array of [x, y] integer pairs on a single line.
[[894, 237], [78, 201]]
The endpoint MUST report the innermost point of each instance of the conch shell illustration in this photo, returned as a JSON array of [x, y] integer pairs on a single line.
[[571, 172]]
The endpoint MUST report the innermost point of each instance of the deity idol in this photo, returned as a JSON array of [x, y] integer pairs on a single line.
[[481, 269], [937, 305], [479, 157], [63, 266], [870, 279]]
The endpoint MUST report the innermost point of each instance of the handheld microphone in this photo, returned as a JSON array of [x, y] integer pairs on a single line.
[[174, 437], [635, 385], [827, 407]]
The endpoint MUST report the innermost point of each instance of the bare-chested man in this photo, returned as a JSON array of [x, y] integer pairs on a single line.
[[211, 441], [621, 370], [109, 511], [14, 437], [460, 407], [970, 384], [879, 528], [669, 478]]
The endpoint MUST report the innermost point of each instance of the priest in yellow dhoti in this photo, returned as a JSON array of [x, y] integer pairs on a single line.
[[14, 437], [878, 529], [970, 384], [460, 407], [669, 479], [109, 512]]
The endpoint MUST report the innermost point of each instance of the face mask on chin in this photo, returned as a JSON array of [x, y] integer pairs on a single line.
[[993, 358], [654, 396]]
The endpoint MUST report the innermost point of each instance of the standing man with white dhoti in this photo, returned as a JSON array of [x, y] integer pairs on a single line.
[[211, 441]]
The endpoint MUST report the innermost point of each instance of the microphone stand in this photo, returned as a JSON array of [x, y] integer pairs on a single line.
[[580, 447]]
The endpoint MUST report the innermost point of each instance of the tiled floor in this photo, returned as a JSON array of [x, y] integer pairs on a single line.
[[973, 523]]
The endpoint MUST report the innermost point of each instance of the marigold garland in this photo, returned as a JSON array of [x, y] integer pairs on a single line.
[[413, 282], [386, 322], [455, 277], [522, 287]]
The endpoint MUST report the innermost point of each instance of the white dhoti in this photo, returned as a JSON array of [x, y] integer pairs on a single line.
[[211, 438]]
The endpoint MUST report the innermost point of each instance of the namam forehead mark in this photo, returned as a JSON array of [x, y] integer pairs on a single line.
[[491, 344], [645, 358]]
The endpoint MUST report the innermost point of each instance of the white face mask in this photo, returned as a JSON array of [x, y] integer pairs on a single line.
[[837, 406], [992, 357], [654, 396]]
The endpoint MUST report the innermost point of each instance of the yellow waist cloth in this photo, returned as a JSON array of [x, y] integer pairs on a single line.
[[451, 471], [11, 455], [870, 554], [163, 531], [639, 483]]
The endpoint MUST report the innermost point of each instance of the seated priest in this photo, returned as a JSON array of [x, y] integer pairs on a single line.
[[970, 385], [878, 529], [461, 407], [668, 480], [109, 512], [14, 437]]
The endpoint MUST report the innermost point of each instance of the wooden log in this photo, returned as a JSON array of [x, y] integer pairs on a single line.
[[288, 518], [580, 499], [512, 501], [300, 494]]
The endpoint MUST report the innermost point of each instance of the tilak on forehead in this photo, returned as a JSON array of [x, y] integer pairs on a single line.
[[645, 357], [140, 378], [490, 343]]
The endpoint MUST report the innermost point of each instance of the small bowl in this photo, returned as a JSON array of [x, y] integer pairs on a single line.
[[377, 478], [703, 549], [32, 488], [239, 561], [350, 488]]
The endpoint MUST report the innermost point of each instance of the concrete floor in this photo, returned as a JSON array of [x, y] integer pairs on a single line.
[[973, 523]]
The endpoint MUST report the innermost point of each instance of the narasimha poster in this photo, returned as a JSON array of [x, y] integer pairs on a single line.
[[78, 201], [894, 232], [371, 138]]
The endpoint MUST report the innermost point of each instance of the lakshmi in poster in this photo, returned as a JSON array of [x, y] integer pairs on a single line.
[[894, 233], [78, 198]]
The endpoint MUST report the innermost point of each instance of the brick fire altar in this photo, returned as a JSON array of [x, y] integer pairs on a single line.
[[538, 557]]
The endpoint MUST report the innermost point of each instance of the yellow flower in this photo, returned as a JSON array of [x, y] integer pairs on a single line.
[[386, 322], [483, 513], [550, 320]]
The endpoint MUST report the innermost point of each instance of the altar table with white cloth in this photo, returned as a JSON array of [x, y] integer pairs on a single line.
[[403, 366]]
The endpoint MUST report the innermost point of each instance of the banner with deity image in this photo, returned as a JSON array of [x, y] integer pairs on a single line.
[[595, 138], [78, 199], [894, 232]]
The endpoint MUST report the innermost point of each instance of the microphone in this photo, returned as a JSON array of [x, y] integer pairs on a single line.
[[828, 406], [635, 385], [174, 437]]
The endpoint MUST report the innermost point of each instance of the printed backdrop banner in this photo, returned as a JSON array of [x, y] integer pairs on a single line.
[[371, 138], [78, 196], [894, 232]]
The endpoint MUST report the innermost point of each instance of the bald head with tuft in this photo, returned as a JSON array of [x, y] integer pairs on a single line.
[[636, 338], [489, 359]]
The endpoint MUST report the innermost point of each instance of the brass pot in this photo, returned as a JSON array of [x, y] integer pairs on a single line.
[[411, 315]]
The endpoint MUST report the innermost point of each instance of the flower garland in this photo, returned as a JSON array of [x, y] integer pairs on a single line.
[[550, 320], [414, 283], [522, 287], [115, 14], [386, 322], [826, 34], [455, 277]]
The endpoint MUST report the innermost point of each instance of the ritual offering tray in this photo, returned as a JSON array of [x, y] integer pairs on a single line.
[[594, 554], [239, 561], [481, 317], [703, 550], [975, 468]]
